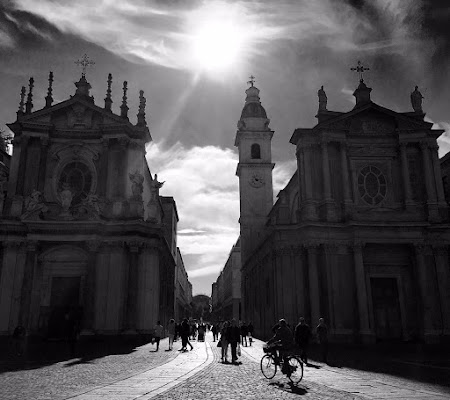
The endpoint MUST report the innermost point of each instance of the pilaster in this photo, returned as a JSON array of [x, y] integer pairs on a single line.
[[309, 210], [313, 279], [345, 179], [27, 284], [330, 209], [443, 280], [407, 192], [132, 287], [42, 164], [432, 206]]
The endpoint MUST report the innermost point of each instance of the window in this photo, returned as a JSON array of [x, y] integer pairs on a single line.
[[256, 151], [372, 185], [78, 177]]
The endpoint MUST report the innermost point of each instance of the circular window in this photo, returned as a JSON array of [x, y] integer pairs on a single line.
[[372, 185], [78, 178]]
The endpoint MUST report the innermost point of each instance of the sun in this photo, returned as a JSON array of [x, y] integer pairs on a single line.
[[220, 36]]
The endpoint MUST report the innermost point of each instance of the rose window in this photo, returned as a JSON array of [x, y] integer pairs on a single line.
[[372, 185], [78, 178]]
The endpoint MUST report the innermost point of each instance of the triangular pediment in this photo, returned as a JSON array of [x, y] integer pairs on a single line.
[[372, 119]]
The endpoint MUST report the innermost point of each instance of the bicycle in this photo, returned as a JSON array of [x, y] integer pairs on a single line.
[[291, 366]]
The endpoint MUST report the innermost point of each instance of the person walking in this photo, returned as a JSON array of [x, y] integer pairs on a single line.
[[322, 337], [250, 332], [224, 341], [171, 333], [302, 337], [158, 334], [244, 333], [184, 333], [214, 332], [234, 338]]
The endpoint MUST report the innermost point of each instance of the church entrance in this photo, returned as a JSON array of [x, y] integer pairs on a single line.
[[64, 305], [386, 309]]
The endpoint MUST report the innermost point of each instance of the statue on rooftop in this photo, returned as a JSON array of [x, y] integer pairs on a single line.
[[322, 99], [416, 100]]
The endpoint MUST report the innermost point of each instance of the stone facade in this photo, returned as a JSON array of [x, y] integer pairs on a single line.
[[82, 222], [359, 235], [183, 291], [226, 291]]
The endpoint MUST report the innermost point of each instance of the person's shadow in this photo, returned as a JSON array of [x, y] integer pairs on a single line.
[[290, 388]]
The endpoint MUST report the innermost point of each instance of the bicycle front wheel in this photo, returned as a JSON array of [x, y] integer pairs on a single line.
[[268, 366], [296, 369]]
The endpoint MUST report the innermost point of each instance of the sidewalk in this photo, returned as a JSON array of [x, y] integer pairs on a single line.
[[370, 385]]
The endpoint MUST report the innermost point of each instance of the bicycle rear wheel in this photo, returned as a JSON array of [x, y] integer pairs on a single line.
[[296, 369], [268, 366]]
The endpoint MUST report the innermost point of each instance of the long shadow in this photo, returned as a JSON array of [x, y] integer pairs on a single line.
[[290, 388], [41, 353], [416, 361]]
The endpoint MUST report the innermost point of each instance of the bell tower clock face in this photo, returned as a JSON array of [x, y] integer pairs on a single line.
[[256, 180]]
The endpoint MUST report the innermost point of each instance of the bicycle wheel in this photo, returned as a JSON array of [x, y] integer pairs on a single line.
[[268, 366], [296, 369]]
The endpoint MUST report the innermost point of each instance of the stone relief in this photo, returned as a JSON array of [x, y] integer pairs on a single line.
[[65, 197], [137, 186], [371, 126], [34, 206], [79, 116], [153, 204]]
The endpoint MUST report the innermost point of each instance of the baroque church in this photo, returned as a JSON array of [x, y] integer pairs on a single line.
[[359, 235], [85, 234]]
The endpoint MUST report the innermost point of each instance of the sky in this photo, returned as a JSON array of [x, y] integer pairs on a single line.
[[193, 59]]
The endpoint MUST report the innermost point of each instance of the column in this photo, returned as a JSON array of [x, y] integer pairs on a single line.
[[325, 171], [433, 214], [425, 301], [345, 175], [361, 293], [405, 175], [22, 164], [131, 305], [309, 205], [443, 281], [438, 176], [313, 278], [104, 168], [89, 298], [27, 284], [42, 165]]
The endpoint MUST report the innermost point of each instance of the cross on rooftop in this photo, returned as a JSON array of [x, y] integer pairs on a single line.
[[252, 80], [360, 69], [84, 62]]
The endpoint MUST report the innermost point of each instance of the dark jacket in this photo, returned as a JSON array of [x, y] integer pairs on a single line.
[[233, 334], [302, 334], [285, 336]]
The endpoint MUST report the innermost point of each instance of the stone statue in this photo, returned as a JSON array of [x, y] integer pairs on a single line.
[[34, 205], [137, 187], [153, 214], [93, 202], [416, 100], [322, 99], [154, 188], [66, 197]]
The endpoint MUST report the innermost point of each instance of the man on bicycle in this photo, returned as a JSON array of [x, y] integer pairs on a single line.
[[284, 340]]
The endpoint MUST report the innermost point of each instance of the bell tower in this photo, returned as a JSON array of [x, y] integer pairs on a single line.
[[253, 139]]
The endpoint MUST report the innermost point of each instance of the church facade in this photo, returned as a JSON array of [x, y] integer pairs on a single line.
[[360, 234], [85, 235]]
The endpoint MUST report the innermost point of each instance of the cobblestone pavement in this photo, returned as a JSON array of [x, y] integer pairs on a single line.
[[65, 379]]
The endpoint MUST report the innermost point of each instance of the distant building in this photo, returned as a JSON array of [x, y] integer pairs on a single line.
[[226, 291], [82, 224], [359, 235], [183, 291]]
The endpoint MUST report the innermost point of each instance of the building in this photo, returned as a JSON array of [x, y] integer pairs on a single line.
[[226, 291], [183, 291], [82, 223], [358, 236]]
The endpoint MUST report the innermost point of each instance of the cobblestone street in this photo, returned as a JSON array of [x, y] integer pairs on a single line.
[[145, 374]]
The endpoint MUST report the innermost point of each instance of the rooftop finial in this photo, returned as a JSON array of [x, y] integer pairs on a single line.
[[322, 99], [49, 98], [108, 100], [251, 81], [22, 102], [29, 104], [84, 62], [124, 107], [141, 114], [360, 69]]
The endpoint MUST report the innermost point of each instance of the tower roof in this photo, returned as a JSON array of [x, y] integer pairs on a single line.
[[253, 107]]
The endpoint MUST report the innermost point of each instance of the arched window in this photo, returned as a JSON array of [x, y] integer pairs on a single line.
[[256, 151], [77, 176]]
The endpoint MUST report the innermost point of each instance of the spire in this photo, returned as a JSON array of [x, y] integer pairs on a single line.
[[141, 114], [49, 98], [22, 102], [29, 103], [108, 100], [124, 107]]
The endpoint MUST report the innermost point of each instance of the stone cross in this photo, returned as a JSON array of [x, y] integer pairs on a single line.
[[360, 69], [251, 81], [84, 62]]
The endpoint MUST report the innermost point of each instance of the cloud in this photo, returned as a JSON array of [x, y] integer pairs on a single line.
[[203, 183], [5, 39]]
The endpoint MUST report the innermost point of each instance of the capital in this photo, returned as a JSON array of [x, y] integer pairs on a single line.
[[124, 141], [134, 245]]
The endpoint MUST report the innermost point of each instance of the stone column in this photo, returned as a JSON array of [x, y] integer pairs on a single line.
[[22, 164], [309, 205], [361, 293], [132, 289], [345, 177], [314, 288], [433, 214], [443, 280], [104, 168], [425, 301], [27, 284], [301, 181], [442, 203], [328, 199], [89, 296], [42, 164], [405, 176]]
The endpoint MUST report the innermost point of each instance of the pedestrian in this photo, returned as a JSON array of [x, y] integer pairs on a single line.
[[19, 340], [302, 337], [171, 333], [234, 338], [184, 333], [244, 333], [250, 332], [158, 333], [224, 341], [214, 332], [322, 337]]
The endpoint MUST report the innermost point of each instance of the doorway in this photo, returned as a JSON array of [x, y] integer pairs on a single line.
[[386, 309]]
